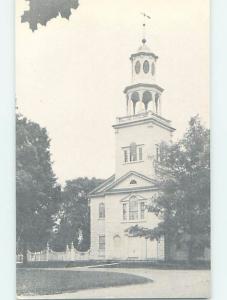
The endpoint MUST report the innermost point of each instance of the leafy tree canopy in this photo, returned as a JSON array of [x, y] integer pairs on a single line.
[[74, 215], [42, 11], [183, 203], [37, 192]]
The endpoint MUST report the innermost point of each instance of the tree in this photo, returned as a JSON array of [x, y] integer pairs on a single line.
[[183, 203], [37, 192], [74, 215], [42, 11]]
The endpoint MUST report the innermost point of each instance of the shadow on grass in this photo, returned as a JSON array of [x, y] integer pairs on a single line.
[[44, 282], [148, 264]]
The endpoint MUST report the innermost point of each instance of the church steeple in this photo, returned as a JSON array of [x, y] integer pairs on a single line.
[[140, 132], [143, 94]]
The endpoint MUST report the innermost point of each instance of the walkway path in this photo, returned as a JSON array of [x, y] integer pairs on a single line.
[[166, 283]]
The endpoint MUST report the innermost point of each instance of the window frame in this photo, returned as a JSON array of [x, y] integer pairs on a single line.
[[133, 209], [103, 243], [102, 210], [124, 211], [136, 156], [142, 211]]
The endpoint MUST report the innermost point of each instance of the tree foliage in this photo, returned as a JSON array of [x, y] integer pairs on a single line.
[[37, 193], [74, 215], [42, 11], [183, 203]]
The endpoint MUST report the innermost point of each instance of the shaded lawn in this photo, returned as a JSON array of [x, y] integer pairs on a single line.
[[44, 282], [162, 265], [173, 265], [60, 264]]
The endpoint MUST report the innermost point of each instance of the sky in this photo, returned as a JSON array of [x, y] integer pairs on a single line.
[[70, 75]]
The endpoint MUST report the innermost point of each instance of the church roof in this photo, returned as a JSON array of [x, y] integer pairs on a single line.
[[144, 50], [112, 186]]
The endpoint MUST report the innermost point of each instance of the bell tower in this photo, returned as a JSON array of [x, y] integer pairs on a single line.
[[143, 94], [140, 132]]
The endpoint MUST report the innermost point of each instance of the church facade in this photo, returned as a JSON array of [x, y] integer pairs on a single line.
[[121, 201]]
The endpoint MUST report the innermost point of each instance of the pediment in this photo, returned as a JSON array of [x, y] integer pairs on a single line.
[[135, 195], [131, 180]]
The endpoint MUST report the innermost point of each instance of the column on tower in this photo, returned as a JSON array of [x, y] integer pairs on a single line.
[[160, 105], [151, 103]]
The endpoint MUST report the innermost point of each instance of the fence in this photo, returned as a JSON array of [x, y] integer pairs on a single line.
[[70, 254]]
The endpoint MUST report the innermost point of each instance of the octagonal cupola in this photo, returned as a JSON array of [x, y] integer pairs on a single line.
[[143, 64], [143, 94]]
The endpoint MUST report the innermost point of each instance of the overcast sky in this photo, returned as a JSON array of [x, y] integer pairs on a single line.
[[70, 75]]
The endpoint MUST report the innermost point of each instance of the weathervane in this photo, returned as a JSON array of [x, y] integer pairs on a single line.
[[144, 26]]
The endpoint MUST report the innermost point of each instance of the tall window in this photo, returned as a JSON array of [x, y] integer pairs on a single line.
[[140, 153], [101, 210], [142, 210], [125, 156], [133, 153], [124, 211], [102, 242], [133, 209], [157, 152]]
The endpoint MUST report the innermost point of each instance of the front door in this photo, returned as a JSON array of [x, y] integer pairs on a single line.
[[133, 248]]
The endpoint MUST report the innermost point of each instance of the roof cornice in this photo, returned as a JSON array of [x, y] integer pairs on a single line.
[[157, 121], [143, 53], [124, 190], [129, 87]]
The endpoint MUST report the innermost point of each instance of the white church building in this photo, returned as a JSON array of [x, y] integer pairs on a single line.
[[120, 202]]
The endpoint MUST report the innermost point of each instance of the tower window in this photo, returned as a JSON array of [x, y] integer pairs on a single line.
[[133, 153], [140, 153], [146, 66], [125, 156], [137, 67], [153, 69], [135, 98], [147, 97], [157, 152]]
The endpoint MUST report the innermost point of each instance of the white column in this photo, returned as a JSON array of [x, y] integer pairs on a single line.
[[127, 105], [150, 103], [160, 105], [153, 102]]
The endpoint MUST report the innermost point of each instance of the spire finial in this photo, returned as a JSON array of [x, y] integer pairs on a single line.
[[144, 27]]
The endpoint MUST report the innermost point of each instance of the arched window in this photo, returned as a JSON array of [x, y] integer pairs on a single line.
[[101, 210], [133, 208], [133, 181], [137, 67], [147, 97], [135, 98], [153, 69], [146, 66]]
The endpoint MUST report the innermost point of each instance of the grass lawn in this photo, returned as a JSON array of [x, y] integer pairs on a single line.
[[60, 264], [174, 265], [44, 282]]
